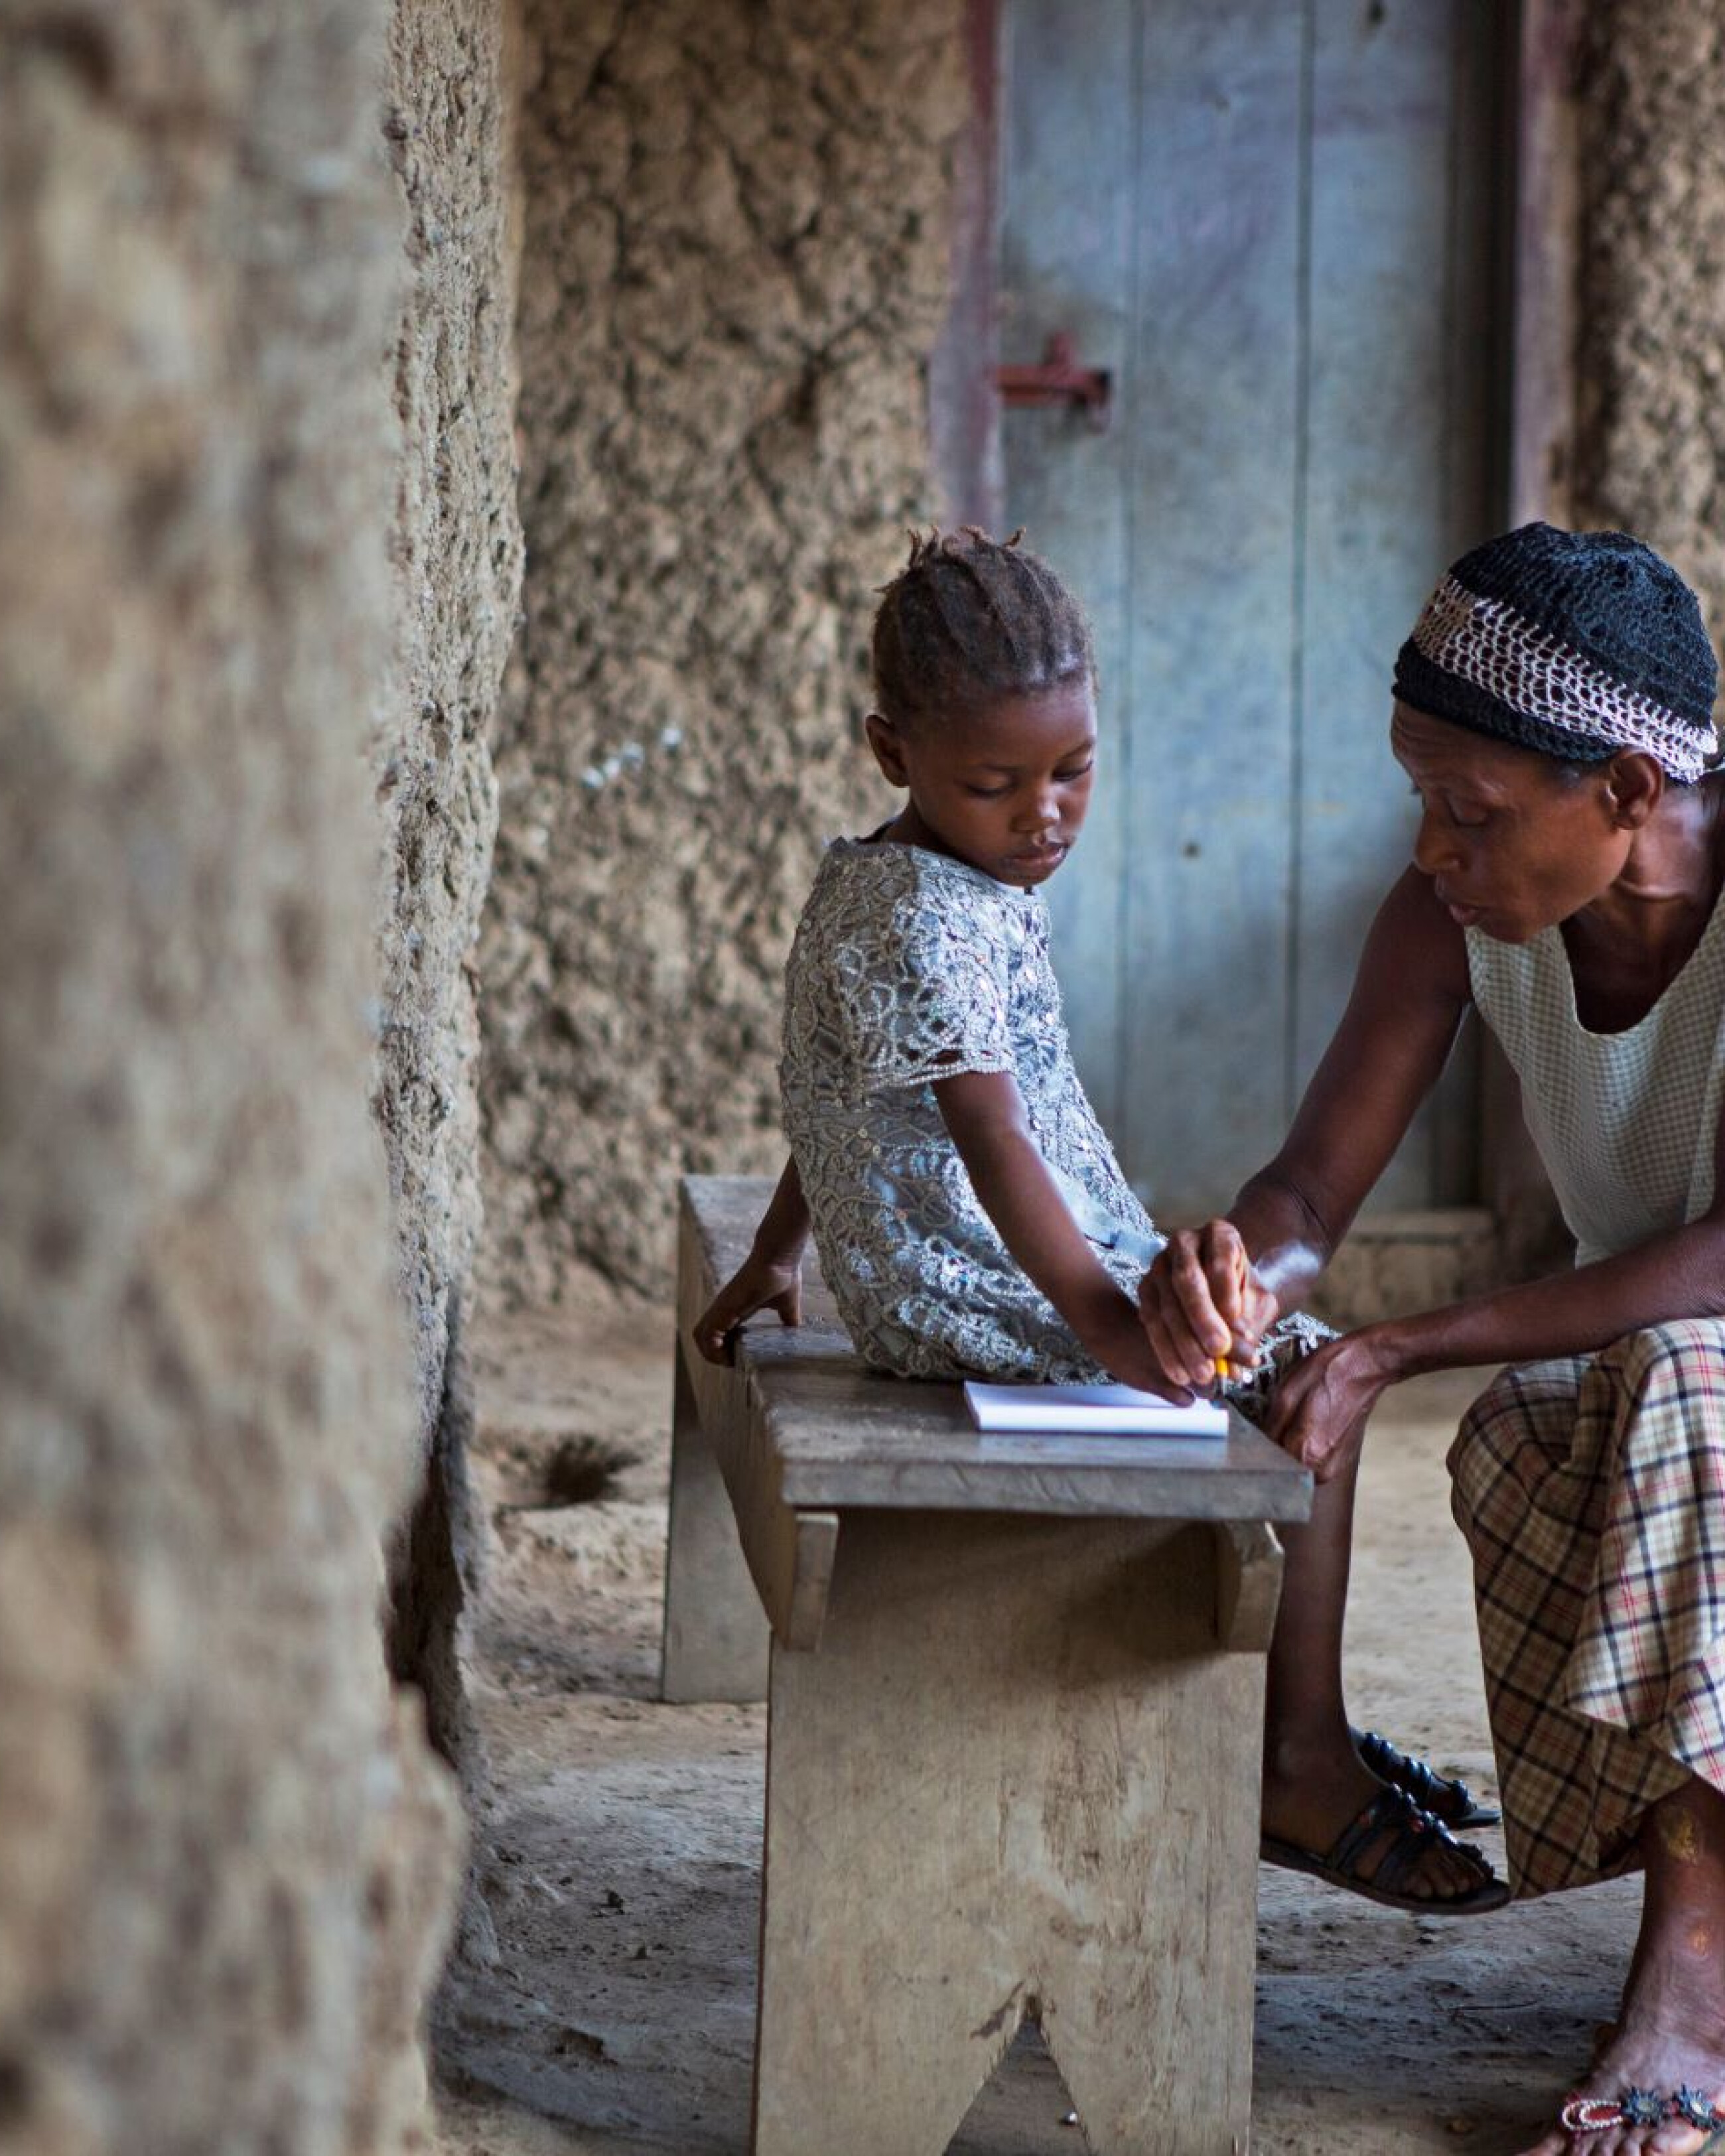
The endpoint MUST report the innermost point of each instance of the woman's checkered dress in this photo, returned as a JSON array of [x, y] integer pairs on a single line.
[[1591, 1489]]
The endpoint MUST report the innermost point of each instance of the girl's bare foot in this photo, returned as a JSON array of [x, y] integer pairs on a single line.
[[1670, 2034]]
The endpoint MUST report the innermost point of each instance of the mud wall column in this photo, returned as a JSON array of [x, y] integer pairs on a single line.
[[1651, 367], [226, 1851], [455, 559]]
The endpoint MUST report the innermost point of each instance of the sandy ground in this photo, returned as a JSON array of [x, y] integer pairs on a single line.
[[622, 1856]]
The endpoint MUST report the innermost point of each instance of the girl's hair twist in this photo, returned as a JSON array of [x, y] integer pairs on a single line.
[[969, 619]]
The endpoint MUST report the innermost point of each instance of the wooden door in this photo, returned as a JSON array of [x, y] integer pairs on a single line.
[[1273, 225]]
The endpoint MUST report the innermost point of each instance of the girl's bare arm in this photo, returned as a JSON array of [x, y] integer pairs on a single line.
[[984, 1113], [770, 1277]]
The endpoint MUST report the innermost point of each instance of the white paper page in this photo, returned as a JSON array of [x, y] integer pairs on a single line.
[[1091, 1410]]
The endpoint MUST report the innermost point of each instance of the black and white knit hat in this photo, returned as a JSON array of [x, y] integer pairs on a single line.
[[1576, 643]]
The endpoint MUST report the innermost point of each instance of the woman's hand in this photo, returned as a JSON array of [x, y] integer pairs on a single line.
[[758, 1284], [1319, 1411], [1201, 1300]]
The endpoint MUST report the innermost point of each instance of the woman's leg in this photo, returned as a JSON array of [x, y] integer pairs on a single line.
[[1672, 2032], [1315, 1785], [1593, 1497], [1311, 1771], [1314, 1780]]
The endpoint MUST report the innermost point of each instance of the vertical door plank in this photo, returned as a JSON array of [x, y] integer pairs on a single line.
[[1480, 388], [1210, 467], [1398, 453], [1067, 265], [1376, 521]]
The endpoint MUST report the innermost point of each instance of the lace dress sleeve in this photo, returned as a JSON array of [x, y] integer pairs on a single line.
[[931, 1000]]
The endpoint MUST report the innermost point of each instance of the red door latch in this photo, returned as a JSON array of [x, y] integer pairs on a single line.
[[1059, 380]]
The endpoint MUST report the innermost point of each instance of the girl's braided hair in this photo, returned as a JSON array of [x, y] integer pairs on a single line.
[[970, 618]]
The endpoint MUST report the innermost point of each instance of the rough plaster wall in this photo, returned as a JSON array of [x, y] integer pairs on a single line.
[[735, 264], [457, 561], [1652, 359], [224, 1851]]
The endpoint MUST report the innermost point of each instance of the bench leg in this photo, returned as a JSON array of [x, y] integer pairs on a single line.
[[716, 1636], [1018, 1779]]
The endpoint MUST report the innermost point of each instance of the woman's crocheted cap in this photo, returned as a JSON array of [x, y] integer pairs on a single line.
[[1576, 643]]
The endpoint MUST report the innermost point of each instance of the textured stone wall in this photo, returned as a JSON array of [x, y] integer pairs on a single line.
[[1651, 366], [456, 557], [225, 1849], [737, 262]]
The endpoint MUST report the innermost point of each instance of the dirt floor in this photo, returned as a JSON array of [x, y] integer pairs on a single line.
[[623, 1857]]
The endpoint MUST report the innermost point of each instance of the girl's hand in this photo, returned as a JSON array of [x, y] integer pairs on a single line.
[[1113, 1335], [1321, 1405], [758, 1284], [1200, 1301]]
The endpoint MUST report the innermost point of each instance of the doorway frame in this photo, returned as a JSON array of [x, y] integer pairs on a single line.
[[1537, 277]]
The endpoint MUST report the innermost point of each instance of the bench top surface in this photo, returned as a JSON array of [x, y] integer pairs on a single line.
[[844, 1435]]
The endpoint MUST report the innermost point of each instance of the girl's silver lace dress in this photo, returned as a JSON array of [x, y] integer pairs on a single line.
[[909, 967]]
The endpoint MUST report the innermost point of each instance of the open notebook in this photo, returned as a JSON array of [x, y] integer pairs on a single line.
[[1091, 1411]]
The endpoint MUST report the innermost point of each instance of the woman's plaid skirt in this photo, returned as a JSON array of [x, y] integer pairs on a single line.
[[1591, 1491]]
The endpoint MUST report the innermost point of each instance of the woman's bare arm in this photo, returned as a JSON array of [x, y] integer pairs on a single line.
[[1386, 1056], [1322, 1404], [1409, 997]]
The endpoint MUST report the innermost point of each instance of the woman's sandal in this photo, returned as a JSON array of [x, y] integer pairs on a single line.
[[1634, 2107], [1413, 1835], [1446, 1796]]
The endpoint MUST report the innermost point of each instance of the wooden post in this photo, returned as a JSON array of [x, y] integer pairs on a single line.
[[1544, 273], [715, 1632], [963, 410], [1249, 1563], [1545, 268]]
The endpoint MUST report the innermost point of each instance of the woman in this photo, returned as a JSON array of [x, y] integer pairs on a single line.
[[1554, 711]]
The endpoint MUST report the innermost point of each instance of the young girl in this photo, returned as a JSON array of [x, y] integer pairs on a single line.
[[970, 1216]]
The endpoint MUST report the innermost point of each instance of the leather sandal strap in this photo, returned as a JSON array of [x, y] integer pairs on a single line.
[[1428, 1788], [1392, 1812], [1412, 1835], [1416, 1836]]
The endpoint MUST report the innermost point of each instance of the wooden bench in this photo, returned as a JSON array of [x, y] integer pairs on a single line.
[[1016, 1701]]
